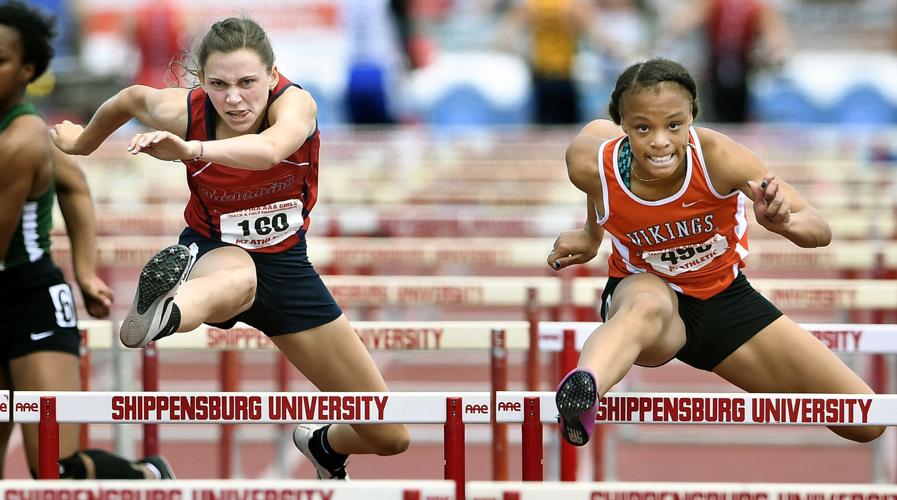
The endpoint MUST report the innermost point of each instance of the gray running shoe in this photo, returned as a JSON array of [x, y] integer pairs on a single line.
[[153, 314], [301, 436]]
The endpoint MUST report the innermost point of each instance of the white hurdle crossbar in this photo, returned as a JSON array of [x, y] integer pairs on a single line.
[[533, 409], [482, 490], [471, 335], [211, 489]]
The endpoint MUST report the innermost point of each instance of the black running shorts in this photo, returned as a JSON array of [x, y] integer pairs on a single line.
[[290, 296], [718, 326], [38, 311]]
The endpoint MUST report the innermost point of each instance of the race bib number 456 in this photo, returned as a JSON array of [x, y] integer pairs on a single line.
[[261, 227], [678, 260]]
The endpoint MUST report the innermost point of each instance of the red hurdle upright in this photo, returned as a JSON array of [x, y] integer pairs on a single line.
[[150, 384], [499, 368], [48, 440]]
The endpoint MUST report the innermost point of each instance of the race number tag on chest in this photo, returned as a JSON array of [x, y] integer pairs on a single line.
[[261, 227], [678, 260]]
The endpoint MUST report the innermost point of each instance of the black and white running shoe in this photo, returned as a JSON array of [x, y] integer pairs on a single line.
[[158, 466], [302, 435], [153, 313]]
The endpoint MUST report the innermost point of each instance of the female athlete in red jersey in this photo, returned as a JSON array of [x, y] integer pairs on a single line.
[[39, 340], [249, 140], [673, 199]]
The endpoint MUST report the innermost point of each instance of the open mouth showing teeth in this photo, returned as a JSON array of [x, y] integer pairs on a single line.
[[661, 160]]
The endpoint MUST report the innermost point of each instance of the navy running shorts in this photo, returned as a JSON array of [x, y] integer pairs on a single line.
[[38, 311], [718, 326], [289, 297]]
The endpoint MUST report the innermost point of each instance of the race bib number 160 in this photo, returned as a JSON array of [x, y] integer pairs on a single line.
[[261, 227]]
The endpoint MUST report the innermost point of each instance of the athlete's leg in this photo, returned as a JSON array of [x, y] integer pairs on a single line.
[[5, 427], [783, 357], [47, 371], [333, 358], [167, 300], [220, 286], [643, 326], [59, 371]]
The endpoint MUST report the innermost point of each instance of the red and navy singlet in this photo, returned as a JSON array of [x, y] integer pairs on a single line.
[[259, 210]]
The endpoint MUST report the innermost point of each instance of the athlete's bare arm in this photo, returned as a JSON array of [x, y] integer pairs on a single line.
[[24, 149], [159, 109], [292, 118], [76, 206], [581, 246], [777, 205]]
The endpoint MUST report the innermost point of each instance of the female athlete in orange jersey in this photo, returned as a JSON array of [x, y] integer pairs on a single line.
[[673, 199]]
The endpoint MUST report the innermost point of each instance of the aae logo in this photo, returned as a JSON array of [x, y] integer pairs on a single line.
[[509, 406], [477, 409]]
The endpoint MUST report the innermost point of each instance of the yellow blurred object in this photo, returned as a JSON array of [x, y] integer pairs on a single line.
[[43, 86]]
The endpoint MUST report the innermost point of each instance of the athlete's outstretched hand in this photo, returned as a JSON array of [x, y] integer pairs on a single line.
[[771, 208], [164, 146], [66, 135], [97, 295], [573, 247]]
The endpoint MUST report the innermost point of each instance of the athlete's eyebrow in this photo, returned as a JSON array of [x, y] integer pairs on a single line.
[[222, 79], [675, 114]]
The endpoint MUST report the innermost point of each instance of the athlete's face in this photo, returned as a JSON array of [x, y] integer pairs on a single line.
[[238, 84], [657, 120], [14, 74]]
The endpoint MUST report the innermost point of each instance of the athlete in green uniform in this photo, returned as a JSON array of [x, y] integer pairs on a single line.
[[39, 338]]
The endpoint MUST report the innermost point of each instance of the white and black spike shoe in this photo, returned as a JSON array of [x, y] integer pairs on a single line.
[[153, 313], [302, 436]]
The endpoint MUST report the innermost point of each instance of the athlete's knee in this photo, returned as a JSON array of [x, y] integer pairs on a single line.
[[97, 464], [242, 282], [71, 467], [391, 440], [651, 307]]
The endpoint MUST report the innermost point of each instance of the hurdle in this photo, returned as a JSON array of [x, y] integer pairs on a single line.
[[431, 490], [568, 338], [454, 411], [483, 490], [497, 337], [392, 336], [533, 409], [207, 490]]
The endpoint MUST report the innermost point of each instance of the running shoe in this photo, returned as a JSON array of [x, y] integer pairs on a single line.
[[302, 435], [153, 314], [158, 465], [577, 402]]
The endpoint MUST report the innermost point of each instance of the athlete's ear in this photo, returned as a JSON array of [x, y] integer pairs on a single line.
[[26, 73], [623, 125], [274, 77]]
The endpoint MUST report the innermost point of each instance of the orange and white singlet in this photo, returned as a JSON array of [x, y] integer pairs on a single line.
[[695, 239]]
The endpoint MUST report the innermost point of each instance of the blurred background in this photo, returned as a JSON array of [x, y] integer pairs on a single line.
[[490, 62], [444, 125]]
